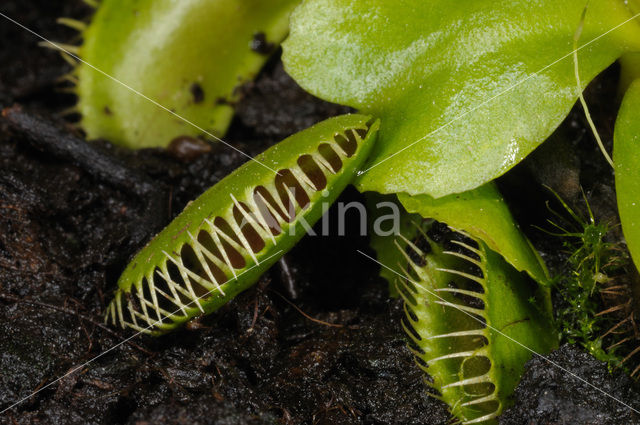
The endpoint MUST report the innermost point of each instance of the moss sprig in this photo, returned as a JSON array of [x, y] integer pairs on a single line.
[[598, 308]]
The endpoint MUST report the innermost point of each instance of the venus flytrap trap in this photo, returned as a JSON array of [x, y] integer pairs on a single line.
[[468, 297], [224, 240], [189, 56], [465, 306]]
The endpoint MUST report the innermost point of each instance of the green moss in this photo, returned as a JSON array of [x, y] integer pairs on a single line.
[[594, 287]]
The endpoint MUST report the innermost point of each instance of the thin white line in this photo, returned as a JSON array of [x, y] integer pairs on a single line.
[[499, 94], [57, 46], [126, 340], [359, 173], [501, 333]]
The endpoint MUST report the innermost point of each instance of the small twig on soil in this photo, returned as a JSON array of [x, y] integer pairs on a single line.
[[255, 315], [47, 137], [313, 319], [287, 277], [73, 313]]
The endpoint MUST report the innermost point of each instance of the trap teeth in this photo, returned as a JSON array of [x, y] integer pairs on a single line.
[[457, 313], [221, 243]]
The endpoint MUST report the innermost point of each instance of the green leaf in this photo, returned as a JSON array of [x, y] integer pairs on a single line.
[[483, 214], [188, 56], [626, 157], [465, 90]]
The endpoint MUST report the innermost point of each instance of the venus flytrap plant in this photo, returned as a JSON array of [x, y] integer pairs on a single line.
[[224, 240], [190, 56], [463, 93]]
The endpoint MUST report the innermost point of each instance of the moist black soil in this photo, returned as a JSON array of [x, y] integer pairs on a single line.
[[549, 395], [68, 226]]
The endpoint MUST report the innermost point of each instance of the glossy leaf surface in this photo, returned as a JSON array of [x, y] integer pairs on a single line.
[[626, 157], [190, 56], [465, 90]]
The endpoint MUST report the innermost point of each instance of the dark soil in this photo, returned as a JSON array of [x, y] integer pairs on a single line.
[[549, 395], [68, 228]]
